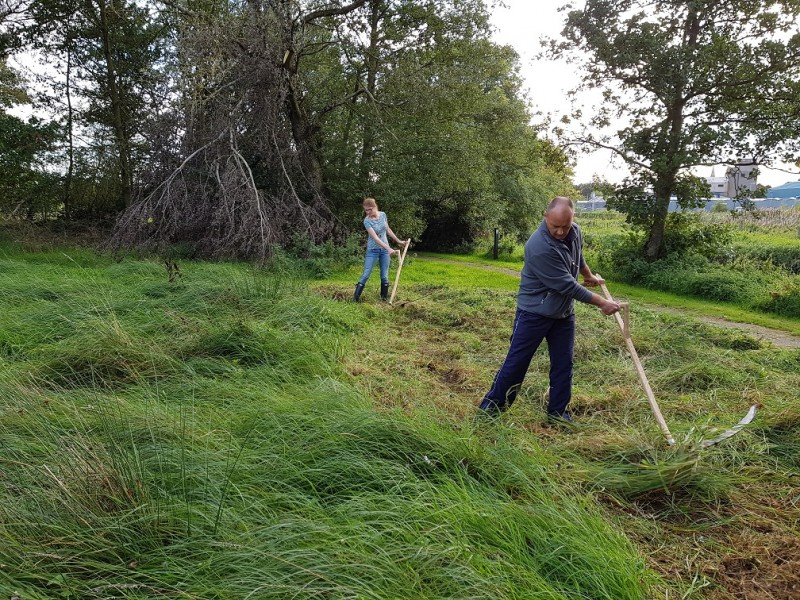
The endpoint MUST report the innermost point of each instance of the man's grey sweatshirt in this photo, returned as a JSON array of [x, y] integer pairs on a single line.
[[549, 280]]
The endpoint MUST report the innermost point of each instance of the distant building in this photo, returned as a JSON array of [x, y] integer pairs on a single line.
[[718, 185], [787, 190], [595, 202], [742, 176]]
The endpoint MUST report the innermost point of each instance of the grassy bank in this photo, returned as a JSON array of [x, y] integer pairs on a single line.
[[755, 278], [637, 294]]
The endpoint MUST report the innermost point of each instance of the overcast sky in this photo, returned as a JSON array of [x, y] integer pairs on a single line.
[[522, 24]]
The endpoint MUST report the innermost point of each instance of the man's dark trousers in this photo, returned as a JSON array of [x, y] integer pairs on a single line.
[[529, 331]]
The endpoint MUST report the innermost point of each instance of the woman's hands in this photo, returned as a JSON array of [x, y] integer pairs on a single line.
[[401, 243]]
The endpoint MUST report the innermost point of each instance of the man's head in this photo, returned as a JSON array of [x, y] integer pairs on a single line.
[[558, 217]]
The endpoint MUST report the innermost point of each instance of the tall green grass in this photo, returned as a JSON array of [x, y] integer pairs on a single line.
[[202, 438]]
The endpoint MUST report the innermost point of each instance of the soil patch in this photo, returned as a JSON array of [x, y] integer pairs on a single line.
[[766, 568]]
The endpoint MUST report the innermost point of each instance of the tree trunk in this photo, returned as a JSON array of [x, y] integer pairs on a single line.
[[305, 134], [304, 131], [654, 248], [672, 145], [119, 124], [70, 142]]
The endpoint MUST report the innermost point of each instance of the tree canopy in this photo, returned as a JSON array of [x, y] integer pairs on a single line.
[[235, 126], [25, 183]]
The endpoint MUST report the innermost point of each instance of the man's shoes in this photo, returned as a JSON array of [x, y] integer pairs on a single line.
[[563, 420], [489, 409], [490, 405]]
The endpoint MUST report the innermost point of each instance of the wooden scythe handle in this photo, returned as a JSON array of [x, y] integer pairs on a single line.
[[399, 268], [626, 334]]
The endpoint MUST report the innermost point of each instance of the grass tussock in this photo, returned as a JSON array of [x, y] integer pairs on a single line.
[[684, 473], [104, 353]]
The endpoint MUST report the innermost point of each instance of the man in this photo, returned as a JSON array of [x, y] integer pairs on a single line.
[[546, 310]]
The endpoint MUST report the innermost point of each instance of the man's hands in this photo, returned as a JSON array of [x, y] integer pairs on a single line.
[[607, 307], [593, 280]]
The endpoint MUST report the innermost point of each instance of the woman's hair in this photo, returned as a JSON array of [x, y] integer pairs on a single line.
[[369, 202]]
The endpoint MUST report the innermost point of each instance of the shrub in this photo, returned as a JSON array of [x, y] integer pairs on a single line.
[[785, 301], [620, 255], [781, 252], [687, 233], [724, 285], [317, 260], [704, 268]]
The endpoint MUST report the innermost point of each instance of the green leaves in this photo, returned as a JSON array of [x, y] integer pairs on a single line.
[[440, 134]]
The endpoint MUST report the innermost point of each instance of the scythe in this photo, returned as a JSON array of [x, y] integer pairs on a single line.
[[624, 324]]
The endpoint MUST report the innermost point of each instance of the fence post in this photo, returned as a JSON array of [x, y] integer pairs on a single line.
[[496, 248]]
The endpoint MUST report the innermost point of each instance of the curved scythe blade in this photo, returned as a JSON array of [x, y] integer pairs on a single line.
[[733, 430]]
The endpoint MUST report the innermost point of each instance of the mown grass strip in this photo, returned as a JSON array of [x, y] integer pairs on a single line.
[[694, 306]]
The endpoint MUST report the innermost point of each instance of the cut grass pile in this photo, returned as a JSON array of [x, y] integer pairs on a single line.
[[207, 438]]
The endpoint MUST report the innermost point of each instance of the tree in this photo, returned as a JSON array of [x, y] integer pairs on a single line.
[[585, 189], [434, 121], [240, 171], [24, 182], [286, 113], [699, 82], [108, 52]]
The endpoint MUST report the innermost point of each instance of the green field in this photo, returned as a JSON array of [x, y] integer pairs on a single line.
[[753, 277], [246, 433]]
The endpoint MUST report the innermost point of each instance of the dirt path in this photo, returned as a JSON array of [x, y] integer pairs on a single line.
[[780, 339]]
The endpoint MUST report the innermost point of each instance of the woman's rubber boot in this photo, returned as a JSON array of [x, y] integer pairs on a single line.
[[357, 293], [384, 291]]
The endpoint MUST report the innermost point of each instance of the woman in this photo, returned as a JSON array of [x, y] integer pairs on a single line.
[[378, 249]]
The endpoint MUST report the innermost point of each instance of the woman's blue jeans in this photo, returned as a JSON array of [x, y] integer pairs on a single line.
[[376, 255]]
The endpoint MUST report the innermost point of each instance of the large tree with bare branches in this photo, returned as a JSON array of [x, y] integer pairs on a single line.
[[288, 112], [248, 174]]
